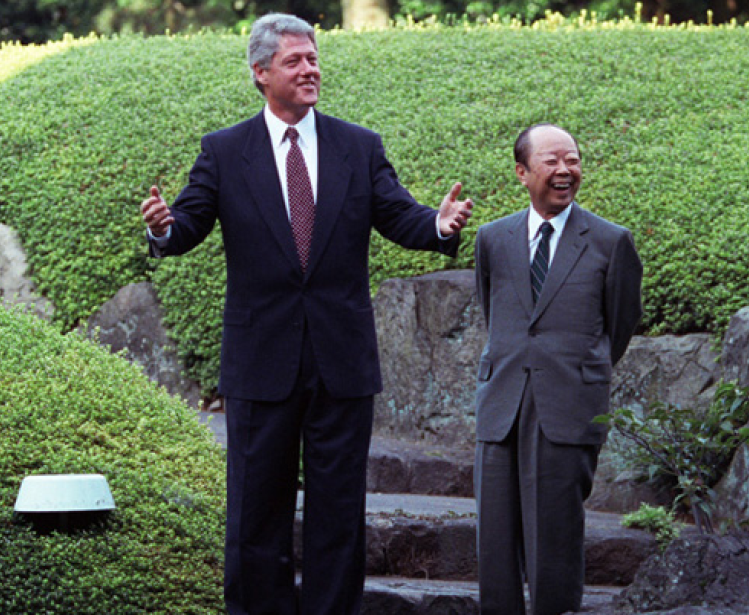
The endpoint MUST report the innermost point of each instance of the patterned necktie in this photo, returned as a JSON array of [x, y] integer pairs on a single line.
[[540, 264], [301, 199]]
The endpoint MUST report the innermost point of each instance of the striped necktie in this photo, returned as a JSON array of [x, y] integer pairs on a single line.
[[540, 264]]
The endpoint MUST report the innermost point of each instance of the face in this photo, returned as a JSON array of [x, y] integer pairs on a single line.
[[292, 82], [554, 171]]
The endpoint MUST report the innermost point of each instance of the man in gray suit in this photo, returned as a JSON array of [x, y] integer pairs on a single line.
[[560, 290]]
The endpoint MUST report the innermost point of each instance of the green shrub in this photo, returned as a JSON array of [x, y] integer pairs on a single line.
[[690, 448], [656, 520], [659, 112], [69, 407]]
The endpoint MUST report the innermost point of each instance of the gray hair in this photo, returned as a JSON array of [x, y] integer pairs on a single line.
[[265, 39]]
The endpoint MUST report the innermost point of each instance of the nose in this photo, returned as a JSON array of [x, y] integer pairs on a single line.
[[562, 168], [309, 67]]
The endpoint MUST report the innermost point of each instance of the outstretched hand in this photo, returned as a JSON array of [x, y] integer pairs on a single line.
[[454, 214], [156, 213]]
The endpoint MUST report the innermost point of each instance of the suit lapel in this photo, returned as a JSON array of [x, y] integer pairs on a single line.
[[261, 176], [518, 259], [571, 246], [334, 175]]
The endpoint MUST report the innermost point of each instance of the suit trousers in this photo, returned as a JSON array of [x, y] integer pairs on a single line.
[[262, 479], [531, 521]]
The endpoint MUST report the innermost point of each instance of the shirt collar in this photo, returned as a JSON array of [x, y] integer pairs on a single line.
[[535, 221], [277, 128]]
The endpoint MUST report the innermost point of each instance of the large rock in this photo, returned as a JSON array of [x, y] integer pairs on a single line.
[[679, 370], [699, 570], [132, 321], [15, 287], [732, 492], [733, 489], [430, 334], [735, 356]]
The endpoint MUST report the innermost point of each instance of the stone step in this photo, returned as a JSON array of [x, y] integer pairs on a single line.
[[402, 596], [399, 596], [433, 537], [396, 466]]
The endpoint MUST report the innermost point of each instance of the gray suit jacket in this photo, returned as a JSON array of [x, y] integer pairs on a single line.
[[569, 341]]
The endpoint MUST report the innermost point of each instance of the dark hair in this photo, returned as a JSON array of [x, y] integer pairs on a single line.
[[265, 38], [522, 149]]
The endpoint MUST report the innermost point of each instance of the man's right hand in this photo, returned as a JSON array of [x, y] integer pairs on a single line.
[[156, 214]]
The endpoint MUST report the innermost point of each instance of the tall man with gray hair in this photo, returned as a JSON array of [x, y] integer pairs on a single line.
[[297, 194]]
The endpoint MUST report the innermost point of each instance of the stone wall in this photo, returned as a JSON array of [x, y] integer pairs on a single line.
[[133, 321], [431, 333]]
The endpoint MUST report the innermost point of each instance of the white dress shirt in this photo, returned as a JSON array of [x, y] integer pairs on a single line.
[[534, 224], [307, 143]]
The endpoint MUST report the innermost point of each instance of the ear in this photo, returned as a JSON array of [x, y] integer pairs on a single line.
[[261, 74], [521, 171]]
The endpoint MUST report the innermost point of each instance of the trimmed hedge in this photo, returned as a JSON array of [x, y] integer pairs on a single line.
[[69, 406], [660, 114]]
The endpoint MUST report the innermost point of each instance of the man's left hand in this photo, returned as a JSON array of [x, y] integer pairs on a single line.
[[454, 214]]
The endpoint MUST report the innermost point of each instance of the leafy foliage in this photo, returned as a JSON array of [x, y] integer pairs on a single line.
[[85, 130], [37, 21], [691, 448], [69, 406], [656, 520]]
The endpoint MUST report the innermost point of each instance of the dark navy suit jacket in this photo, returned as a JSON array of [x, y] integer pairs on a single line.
[[269, 300]]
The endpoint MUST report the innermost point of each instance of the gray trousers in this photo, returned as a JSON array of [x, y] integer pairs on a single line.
[[531, 521]]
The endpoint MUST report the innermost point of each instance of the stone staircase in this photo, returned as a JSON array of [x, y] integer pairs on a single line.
[[421, 525]]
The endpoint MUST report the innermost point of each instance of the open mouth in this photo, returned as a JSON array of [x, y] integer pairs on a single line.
[[561, 185]]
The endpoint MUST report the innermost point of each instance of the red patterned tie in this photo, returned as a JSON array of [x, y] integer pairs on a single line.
[[301, 199]]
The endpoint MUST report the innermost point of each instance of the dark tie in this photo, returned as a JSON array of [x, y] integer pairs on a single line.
[[540, 264], [301, 199]]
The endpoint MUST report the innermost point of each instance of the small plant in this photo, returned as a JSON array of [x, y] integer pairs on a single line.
[[693, 449], [656, 520]]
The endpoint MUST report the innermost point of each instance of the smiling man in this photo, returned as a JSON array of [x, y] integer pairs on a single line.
[[297, 194], [560, 291]]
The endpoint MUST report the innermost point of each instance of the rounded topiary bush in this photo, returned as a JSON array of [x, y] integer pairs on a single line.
[[68, 406]]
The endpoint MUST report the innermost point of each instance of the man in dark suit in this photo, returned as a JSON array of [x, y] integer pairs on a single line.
[[297, 194], [560, 291]]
